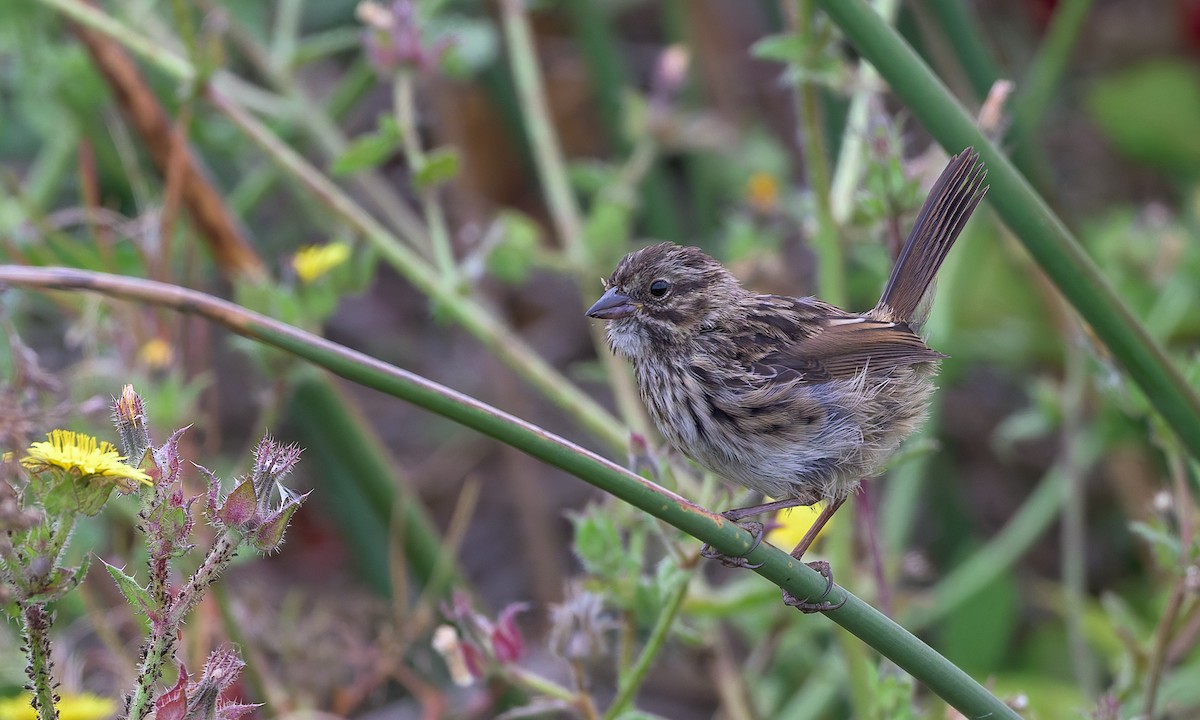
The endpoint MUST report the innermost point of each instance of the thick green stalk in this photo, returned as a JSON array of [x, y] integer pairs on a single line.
[[1054, 248], [1037, 513], [356, 466], [1048, 66], [961, 28], [869, 625]]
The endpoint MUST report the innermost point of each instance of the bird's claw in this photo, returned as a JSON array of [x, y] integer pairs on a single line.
[[756, 529], [808, 605]]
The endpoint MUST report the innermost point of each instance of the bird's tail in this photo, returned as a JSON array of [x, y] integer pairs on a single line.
[[951, 201]]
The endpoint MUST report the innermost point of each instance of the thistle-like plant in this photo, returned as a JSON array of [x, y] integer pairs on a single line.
[[71, 474]]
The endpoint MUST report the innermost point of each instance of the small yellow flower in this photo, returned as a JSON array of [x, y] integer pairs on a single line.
[[793, 523], [72, 706], [314, 261], [76, 452], [157, 354], [762, 192]]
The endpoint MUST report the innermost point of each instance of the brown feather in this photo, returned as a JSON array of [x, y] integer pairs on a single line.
[[954, 196]]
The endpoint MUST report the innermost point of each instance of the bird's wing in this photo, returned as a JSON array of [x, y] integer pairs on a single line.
[[843, 348]]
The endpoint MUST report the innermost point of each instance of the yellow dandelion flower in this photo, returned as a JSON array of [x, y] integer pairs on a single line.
[[314, 261], [76, 452], [156, 353], [793, 523], [762, 192], [72, 706]]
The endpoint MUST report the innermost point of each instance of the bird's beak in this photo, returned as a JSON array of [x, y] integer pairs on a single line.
[[611, 305]]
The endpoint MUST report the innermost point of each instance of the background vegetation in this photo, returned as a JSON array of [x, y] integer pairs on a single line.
[[475, 167]]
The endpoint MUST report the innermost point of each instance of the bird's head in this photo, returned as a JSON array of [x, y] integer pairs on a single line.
[[663, 295]]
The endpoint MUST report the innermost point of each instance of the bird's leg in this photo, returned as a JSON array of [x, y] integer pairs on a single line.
[[754, 528], [820, 604]]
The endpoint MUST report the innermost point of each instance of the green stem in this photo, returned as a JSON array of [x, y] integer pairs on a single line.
[[403, 95], [98, 20], [358, 472], [315, 120], [556, 186], [1165, 632], [59, 538], [486, 328], [37, 619], [1037, 513], [633, 678], [1043, 234], [1074, 522], [854, 140], [160, 646], [1048, 66], [478, 321], [960, 27], [544, 686], [831, 272], [284, 38], [902, 647], [547, 153]]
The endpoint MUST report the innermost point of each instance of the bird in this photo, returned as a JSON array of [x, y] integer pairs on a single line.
[[792, 397]]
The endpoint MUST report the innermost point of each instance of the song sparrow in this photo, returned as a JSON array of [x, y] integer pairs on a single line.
[[791, 397]]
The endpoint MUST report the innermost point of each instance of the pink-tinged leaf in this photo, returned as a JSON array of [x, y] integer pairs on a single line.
[[239, 507], [236, 711], [507, 642], [168, 458], [212, 507], [172, 704], [222, 668], [473, 657], [269, 536], [274, 460]]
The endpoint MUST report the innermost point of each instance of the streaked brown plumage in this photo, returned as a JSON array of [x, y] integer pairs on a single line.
[[792, 397]]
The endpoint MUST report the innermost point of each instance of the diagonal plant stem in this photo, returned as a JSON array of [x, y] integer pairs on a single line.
[[635, 675], [1042, 233], [826, 241], [852, 154], [552, 171], [404, 101], [902, 647], [482, 324]]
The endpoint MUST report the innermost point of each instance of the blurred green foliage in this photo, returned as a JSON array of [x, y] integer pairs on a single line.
[[703, 158]]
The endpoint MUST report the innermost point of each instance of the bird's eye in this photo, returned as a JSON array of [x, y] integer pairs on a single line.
[[658, 288]]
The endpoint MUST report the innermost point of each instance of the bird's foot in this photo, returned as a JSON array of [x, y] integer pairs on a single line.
[[756, 529], [818, 604]]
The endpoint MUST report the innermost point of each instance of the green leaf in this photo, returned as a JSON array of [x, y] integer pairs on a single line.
[[65, 493], [638, 715], [787, 48], [135, 594], [440, 166], [472, 45], [600, 547], [368, 150], [1152, 113], [589, 177], [512, 259], [606, 232]]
